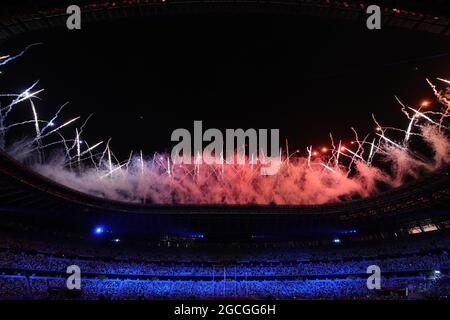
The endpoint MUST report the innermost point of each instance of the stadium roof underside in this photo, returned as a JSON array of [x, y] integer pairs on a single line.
[[21, 16]]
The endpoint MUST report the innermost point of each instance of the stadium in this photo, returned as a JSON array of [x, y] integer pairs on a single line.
[[142, 251]]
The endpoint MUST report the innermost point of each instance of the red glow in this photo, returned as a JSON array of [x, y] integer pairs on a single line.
[[324, 149], [424, 103]]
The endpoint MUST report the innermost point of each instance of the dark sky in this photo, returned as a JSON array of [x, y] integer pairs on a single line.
[[306, 76]]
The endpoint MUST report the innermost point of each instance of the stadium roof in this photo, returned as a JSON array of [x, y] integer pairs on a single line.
[[25, 16]]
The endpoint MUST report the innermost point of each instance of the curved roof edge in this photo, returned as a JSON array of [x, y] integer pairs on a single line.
[[20, 17]]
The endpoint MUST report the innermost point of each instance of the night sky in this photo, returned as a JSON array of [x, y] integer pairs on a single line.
[[306, 76]]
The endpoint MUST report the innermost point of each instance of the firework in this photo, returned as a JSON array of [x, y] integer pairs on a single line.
[[319, 175]]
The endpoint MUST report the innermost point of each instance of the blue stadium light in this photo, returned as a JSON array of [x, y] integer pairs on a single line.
[[99, 230], [117, 240], [437, 272], [257, 236], [337, 241]]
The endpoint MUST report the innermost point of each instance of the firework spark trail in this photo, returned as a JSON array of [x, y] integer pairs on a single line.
[[38, 131], [443, 80], [411, 122], [120, 166], [51, 123], [203, 176], [87, 157], [77, 143], [58, 128], [7, 59], [142, 163], [371, 152], [311, 179], [129, 160], [340, 148], [109, 161], [444, 99], [26, 95], [11, 126], [78, 133], [421, 114], [333, 153], [326, 167], [104, 153], [309, 149]]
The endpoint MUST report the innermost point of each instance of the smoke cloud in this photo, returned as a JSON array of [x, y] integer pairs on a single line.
[[365, 168]]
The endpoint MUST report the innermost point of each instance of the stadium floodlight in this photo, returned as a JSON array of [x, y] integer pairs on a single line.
[[99, 230], [198, 236], [337, 241]]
